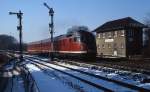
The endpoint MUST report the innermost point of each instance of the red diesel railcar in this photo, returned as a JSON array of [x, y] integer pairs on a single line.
[[74, 44]]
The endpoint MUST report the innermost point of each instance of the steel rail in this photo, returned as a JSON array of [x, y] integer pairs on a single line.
[[83, 80], [134, 87], [26, 69]]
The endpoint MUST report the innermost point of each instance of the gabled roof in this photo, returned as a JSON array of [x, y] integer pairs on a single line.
[[119, 24]]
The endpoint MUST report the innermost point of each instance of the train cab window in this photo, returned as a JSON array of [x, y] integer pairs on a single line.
[[77, 39]]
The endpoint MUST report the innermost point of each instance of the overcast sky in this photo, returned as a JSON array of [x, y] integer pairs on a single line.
[[91, 13]]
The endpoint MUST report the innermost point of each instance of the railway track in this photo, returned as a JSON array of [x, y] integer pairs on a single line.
[[4, 81], [106, 69], [124, 67], [40, 65], [134, 66], [8, 80], [30, 84], [13, 74], [138, 67], [127, 66], [119, 83]]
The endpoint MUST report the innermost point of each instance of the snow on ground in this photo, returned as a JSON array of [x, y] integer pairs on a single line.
[[45, 82], [104, 83], [145, 85], [71, 82], [57, 78], [15, 84], [125, 76], [9, 85], [18, 85]]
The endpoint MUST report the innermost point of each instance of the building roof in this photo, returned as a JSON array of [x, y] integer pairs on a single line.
[[119, 24]]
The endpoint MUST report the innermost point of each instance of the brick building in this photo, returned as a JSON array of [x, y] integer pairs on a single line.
[[120, 38]]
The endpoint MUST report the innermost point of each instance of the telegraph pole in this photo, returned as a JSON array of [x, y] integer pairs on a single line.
[[19, 28], [51, 27]]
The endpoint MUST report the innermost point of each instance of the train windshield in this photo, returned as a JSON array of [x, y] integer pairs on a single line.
[[77, 39], [87, 38]]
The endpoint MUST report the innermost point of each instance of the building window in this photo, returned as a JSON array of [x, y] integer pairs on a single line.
[[109, 34], [99, 46], [103, 35], [122, 33], [103, 46], [115, 45], [130, 39], [115, 34], [109, 45], [122, 45], [130, 33], [99, 35]]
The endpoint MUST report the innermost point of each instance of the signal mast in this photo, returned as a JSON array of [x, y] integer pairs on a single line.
[[51, 28]]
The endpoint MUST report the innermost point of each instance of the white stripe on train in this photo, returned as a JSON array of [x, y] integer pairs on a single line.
[[59, 51]]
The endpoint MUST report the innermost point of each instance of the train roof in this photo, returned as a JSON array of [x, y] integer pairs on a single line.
[[37, 42], [47, 40], [70, 33], [59, 37]]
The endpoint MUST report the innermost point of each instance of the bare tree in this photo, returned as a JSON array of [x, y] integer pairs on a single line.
[[9, 43]]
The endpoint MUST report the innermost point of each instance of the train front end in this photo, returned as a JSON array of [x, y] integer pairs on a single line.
[[88, 44]]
